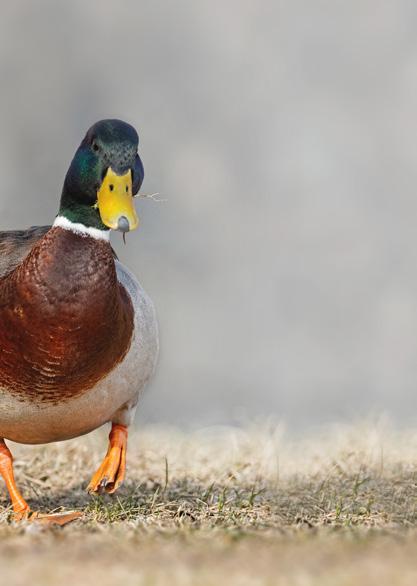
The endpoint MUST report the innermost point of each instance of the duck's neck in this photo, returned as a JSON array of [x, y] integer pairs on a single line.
[[73, 208]]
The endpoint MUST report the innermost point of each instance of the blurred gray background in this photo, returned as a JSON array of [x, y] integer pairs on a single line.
[[284, 136]]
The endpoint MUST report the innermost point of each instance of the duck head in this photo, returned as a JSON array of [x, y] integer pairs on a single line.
[[104, 175]]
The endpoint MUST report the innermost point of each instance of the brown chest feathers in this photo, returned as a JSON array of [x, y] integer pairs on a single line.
[[65, 321]]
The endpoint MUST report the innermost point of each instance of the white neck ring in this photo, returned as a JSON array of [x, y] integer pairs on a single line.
[[80, 229]]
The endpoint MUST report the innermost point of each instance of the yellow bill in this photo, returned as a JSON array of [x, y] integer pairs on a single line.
[[115, 202]]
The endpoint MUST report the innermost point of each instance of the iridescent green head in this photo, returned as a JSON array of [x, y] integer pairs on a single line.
[[104, 175]]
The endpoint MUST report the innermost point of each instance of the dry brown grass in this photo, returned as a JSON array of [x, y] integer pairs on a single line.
[[224, 506]]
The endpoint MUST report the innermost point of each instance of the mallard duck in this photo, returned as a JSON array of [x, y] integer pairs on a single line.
[[78, 334]]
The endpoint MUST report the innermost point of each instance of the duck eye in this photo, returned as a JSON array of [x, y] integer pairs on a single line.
[[127, 189], [111, 186], [95, 146]]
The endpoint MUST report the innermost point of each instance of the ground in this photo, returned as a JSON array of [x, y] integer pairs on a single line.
[[223, 506]]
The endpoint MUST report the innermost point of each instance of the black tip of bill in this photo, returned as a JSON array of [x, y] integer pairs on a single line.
[[123, 226]]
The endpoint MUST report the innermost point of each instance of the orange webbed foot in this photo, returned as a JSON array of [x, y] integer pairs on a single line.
[[111, 472], [21, 509], [61, 518]]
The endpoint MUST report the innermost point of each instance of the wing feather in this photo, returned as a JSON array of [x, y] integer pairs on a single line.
[[15, 245]]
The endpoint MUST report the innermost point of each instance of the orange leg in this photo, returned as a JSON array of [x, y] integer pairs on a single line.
[[111, 472], [20, 506], [21, 509]]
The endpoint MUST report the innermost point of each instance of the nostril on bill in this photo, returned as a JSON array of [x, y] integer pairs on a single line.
[[123, 224]]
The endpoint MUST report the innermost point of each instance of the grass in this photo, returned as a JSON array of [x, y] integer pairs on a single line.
[[223, 506]]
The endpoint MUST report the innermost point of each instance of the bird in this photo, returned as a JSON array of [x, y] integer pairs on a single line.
[[78, 333]]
